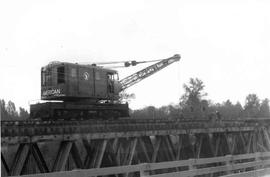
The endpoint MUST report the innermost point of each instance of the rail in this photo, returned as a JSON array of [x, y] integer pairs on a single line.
[[229, 166]]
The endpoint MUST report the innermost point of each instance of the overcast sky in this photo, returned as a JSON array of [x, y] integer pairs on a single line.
[[226, 44]]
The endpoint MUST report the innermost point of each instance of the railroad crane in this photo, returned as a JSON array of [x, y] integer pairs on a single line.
[[80, 91]]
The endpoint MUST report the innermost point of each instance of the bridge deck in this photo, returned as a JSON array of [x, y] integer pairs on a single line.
[[14, 132]]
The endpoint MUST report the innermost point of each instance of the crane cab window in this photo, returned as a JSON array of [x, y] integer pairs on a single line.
[[42, 77], [61, 75], [97, 75], [73, 72], [46, 76], [112, 76]]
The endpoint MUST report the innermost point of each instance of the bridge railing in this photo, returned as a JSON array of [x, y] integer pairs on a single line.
[[219, 165], [255, 164]]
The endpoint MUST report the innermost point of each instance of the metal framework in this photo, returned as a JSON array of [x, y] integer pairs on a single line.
[[29, 148], [146, 72]]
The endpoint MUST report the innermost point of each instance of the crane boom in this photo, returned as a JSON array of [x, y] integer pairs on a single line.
[[146, 72]]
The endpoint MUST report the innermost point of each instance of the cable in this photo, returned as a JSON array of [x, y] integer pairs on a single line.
[[117, 62], [133, 63]]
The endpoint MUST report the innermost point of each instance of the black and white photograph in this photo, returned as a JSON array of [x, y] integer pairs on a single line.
[[145, 88]]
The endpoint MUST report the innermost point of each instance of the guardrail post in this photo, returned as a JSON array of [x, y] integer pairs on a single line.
[[191, 165], [229, 164], [145, 170], [258, 159]]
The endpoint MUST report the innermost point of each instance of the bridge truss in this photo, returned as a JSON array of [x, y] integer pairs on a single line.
[[31, 147]]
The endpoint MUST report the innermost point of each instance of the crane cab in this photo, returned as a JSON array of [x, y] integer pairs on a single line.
[[72, 82]]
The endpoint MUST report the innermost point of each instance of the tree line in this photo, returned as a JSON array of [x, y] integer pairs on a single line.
[[9, 112], [194, 105]]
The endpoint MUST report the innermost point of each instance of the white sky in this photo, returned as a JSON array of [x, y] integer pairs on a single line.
[[224, 43]]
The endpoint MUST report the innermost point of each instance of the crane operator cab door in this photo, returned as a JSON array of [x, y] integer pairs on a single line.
[[104, 83], [110, 84], [113, 85]]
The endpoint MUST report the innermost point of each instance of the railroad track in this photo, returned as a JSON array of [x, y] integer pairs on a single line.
[[31, 122], [13, 132]]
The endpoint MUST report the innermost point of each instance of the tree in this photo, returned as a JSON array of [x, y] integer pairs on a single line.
[[191, 103], [228, 110], [148, 112], [264, 108], [23, 113], [252, 106], [238, 109], [11, 110], [3, 110], [173, 112], [151, 112], [126, 97], [193, 91]]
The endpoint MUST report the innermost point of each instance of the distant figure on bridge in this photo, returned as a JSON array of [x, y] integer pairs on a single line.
[[218, 115], [215, 116]]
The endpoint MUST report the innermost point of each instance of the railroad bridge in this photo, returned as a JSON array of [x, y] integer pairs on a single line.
[[31, 147]]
